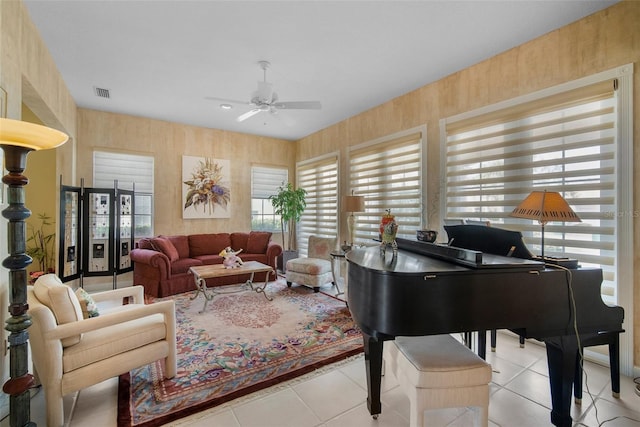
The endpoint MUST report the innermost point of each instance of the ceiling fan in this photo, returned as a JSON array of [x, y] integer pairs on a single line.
[[265, 99]]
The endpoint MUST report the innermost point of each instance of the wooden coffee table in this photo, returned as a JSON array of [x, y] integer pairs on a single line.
[[203, 272]]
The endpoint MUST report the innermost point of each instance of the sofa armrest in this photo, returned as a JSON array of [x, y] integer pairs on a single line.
[[273, 250], [154, 259], [166, 308]]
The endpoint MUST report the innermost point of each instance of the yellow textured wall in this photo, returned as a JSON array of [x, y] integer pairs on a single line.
[[599, 42], [167, 143], [29, 77], [41, 195]]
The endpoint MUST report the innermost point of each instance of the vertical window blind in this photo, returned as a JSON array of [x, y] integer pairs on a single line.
[[320, 179], [564, 142], [389, 176]]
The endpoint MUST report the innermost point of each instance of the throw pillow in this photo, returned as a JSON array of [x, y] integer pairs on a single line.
[[61, 300], [181, 243], [165, 246], [258, 242], [145, 243], [87, 304]]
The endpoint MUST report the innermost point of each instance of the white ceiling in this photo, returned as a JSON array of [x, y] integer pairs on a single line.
[[160, 59]]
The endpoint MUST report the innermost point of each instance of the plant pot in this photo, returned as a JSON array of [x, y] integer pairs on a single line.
[[281, 261]]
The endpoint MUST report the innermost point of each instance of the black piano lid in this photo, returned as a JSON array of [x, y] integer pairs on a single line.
[[414, 257]]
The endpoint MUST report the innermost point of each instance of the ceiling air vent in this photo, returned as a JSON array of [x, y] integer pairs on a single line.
[[102, 93]]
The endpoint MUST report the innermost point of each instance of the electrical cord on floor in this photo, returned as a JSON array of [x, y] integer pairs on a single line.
[[569, 278]]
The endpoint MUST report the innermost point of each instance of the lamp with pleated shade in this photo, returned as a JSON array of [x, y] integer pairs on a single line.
[[545, 206]]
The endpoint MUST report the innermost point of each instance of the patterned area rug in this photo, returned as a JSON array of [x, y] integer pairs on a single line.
[[241, 344]]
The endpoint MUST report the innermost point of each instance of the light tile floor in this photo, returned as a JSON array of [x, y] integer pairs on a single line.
[[336, 396]]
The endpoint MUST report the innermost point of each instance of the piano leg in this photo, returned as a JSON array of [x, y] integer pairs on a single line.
[[561, 358], [482, 344], [373, 365]]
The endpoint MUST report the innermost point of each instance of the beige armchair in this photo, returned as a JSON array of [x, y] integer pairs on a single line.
[[70, 352], [315, 270]]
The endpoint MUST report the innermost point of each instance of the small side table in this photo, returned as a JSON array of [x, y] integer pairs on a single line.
[[336, 255]]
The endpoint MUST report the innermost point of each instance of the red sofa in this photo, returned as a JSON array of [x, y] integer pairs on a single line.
[[161, 264]]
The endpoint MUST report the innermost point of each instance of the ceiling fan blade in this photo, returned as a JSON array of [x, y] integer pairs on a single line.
[[299, 105], [248, 114], [226, 101]]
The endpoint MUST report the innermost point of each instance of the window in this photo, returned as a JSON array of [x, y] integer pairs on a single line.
[[388, 174], [264, 184], [319, 177], [574, 139], [132, 172]]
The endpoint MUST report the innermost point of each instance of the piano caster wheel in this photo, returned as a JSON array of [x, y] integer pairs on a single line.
[[375, 417], [578, 401], [493, 349], [617, 395]]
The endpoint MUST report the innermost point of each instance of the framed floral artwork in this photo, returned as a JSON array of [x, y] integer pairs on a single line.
[[206, 187]]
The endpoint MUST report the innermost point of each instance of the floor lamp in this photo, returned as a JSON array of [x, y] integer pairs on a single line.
[[545, 206], [17, 139], [352, 204]]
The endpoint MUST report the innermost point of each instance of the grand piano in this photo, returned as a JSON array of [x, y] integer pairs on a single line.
[[430, 289]]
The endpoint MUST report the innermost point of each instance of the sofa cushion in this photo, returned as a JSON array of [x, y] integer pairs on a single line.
[[164, 245], [208, 244], [210, 259], [181, 244], [183, 265], [61, 300], [239, 241], [258, 242]]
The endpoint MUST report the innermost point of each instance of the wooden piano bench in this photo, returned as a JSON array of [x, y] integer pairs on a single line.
[[439, 372]]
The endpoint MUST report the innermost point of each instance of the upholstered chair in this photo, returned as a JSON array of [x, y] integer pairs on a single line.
[[71, 352], [315, 270]]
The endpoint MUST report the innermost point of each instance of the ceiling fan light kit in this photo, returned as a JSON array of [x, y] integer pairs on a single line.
[[266, 100]]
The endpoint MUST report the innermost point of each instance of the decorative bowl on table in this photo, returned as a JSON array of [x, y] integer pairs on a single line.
[[427, 235]]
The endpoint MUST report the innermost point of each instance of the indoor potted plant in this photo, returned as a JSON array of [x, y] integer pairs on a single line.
[[40, 245], [289, 203]]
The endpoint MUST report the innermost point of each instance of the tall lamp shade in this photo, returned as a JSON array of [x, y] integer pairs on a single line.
[[352, 204], [17, 139], [545, 206]]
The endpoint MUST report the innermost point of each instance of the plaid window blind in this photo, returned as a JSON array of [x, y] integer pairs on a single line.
[[129, 170], [319, 177], [564, 142], [389, 176], [266, 181]]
